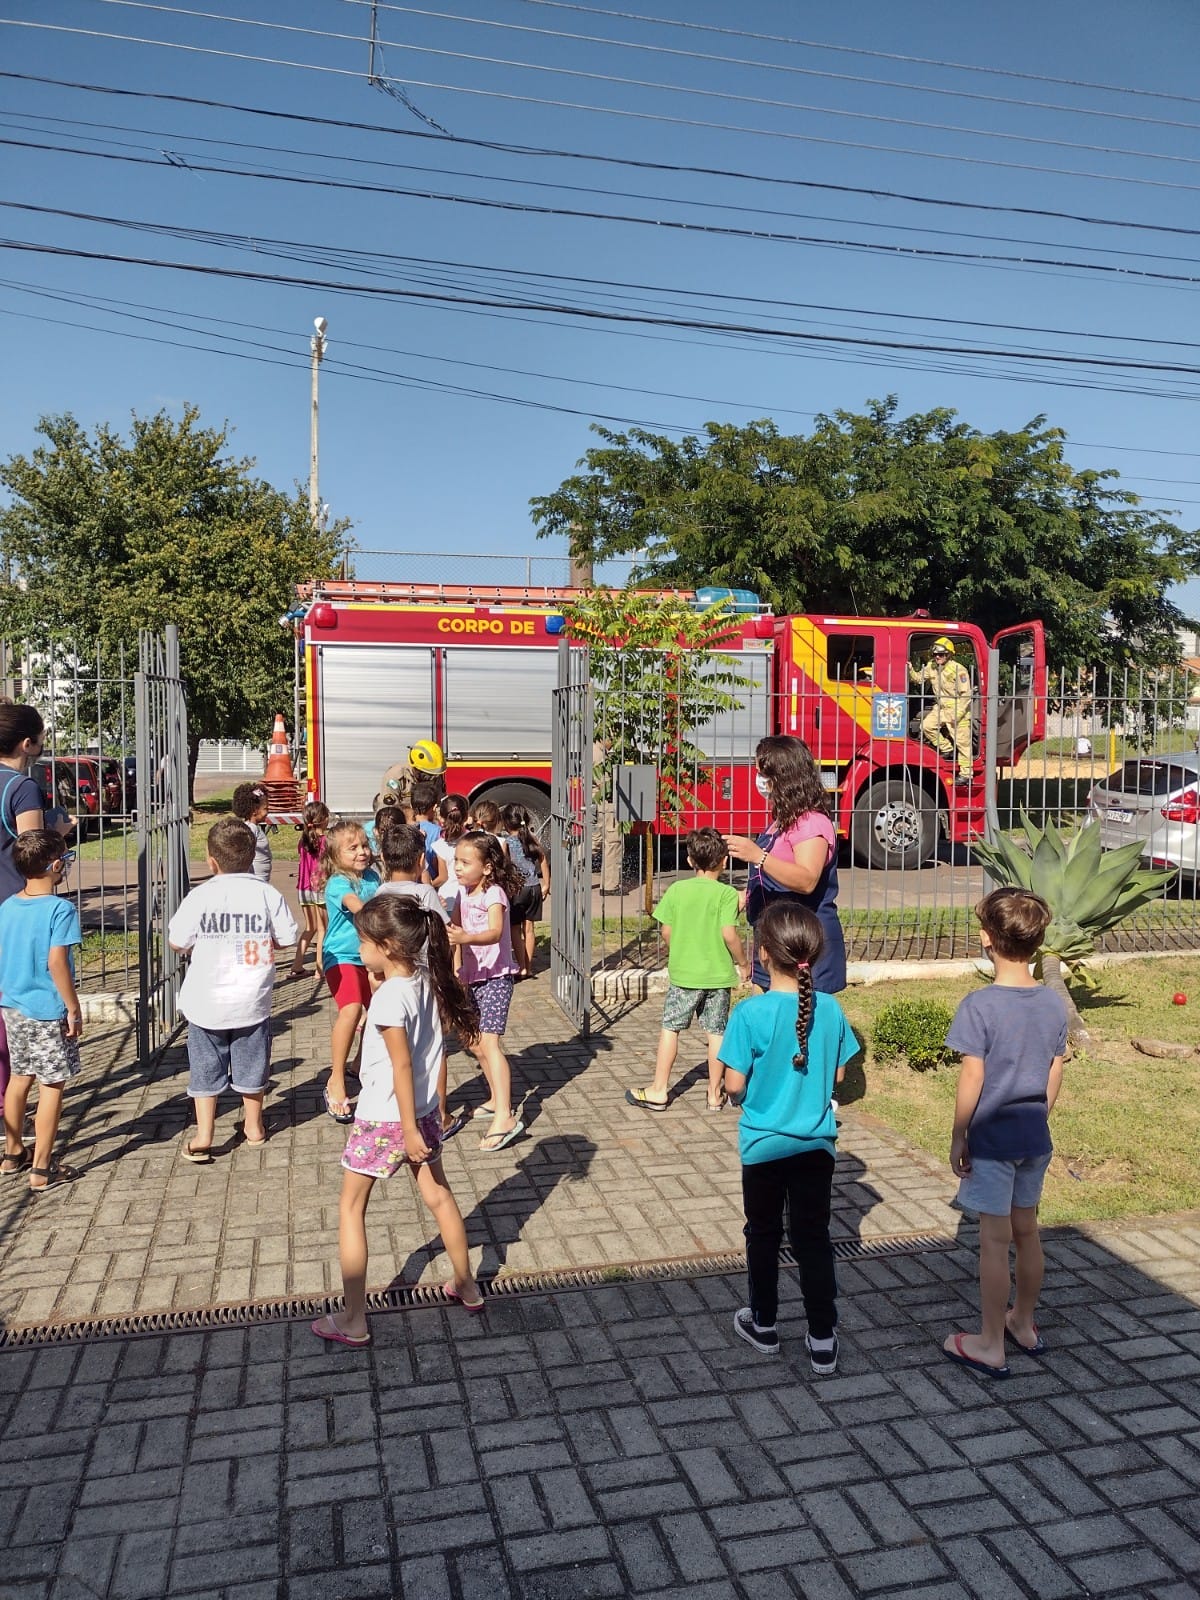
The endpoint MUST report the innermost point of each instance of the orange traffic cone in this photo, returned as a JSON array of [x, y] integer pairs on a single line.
[[279, 780], [279, 760]]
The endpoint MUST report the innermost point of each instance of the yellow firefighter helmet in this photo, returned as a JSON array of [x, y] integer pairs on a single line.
[[944, 644], [426, 756]]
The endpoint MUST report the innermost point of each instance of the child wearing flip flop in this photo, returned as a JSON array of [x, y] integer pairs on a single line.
[[482, 934], [783, 1051], [349, 884], [231, 926], [1011, 1037], [402, 850], [398, 1123], [705, 958], [38, 931]]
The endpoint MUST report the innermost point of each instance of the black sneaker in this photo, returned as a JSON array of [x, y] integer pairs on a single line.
[[824, 1361], [764, 1340]]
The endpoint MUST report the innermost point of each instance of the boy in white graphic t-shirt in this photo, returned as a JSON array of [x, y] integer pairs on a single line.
[[231, 926]]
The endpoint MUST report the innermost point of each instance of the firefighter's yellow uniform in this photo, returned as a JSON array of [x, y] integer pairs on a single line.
[[425, 764], [947, 725]]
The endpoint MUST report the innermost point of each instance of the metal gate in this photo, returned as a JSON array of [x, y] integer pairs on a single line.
[[570, 830], [160, 711]]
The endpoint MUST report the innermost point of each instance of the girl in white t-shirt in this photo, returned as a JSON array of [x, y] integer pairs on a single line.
[[397, 1120], [453, 814], [481, 932]]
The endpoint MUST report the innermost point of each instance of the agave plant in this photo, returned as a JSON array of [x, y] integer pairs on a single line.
[[1086, 887]]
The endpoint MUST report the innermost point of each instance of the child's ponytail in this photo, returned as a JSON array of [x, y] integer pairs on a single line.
[[792, 938], [455, 1002]]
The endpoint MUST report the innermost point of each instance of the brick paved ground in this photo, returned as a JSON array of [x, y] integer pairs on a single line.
[[620, 1441], [595, 1181], [604, 1442]]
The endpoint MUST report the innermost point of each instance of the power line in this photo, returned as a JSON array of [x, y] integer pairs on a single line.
[[384, 291], [818, 241], [749, 61], [610, 111], [137, 311], [358, 371], [601, 158], [661, 86], [857, 50], [487, 177]]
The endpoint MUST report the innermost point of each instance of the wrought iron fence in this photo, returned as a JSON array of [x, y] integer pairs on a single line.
[[115, 760], [1116, 750]]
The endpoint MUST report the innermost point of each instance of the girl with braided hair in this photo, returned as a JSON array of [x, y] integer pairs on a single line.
[[782, 1052]]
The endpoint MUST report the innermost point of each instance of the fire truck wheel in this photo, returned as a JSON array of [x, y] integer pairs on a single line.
[[895, 825], [536, 801]]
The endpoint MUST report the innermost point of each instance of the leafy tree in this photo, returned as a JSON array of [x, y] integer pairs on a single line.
[[658, 675], [104, 536], [883, 515]]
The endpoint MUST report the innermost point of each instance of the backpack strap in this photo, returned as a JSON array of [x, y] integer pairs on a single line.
[[9, 827]]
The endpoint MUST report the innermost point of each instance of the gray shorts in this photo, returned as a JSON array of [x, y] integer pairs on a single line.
[[711, 1006], [228, 1058], [38, 1049], [994, 1188]]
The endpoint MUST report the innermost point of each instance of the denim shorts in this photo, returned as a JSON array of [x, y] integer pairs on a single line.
[[993, 1188], [711, 1006], [228, 1058]]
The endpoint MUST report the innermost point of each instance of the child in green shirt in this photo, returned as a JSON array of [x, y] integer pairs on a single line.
[[705, 959]]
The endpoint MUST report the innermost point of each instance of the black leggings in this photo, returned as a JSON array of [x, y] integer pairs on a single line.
[[804, 1184]]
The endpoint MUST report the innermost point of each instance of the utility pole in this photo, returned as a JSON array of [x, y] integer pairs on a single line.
[[317, 346]]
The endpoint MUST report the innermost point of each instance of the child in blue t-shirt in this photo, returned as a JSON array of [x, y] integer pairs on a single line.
[[38, 932], [783, 1051]]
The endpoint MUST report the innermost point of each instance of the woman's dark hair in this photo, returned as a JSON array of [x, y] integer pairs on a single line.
[[316, 822], [498, 866], [402, 849], [404, 928], [247, 798], [520, 824], [454, 811], [791, 936], [796, 787], [18, 723]]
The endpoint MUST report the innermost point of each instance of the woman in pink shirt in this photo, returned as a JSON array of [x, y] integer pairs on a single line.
[[796, 857]]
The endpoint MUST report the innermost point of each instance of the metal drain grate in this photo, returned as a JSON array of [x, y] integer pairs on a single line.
[[408, 1297]]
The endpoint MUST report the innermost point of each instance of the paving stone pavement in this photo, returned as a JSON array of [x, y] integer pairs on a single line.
[[595, 1181], [609, 1441], [621, 1441]]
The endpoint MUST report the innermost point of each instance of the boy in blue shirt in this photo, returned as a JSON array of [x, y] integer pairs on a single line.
[[38, 931], [1011, 1037]]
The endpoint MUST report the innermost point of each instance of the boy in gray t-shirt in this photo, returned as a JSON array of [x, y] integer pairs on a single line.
[[1011, 1037]]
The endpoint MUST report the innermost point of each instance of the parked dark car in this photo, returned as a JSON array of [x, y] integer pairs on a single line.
[[88, 787]]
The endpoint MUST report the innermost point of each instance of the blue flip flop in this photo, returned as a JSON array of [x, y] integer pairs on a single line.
[[505, 1139], [959, 1356], [1038, 1349]]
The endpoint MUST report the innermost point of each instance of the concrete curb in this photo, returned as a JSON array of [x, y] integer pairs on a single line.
[[636, 984], [119, 1007]]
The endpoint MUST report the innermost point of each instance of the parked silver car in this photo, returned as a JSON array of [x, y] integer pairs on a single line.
[[1156, 799]]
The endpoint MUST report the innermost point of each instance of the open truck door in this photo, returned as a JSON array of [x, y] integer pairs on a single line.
[[1022, 690]]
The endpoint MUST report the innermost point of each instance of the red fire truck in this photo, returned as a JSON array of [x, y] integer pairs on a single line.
[[474, 667]]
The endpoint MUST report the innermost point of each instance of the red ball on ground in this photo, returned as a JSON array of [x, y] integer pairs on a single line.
[[1179, 999]]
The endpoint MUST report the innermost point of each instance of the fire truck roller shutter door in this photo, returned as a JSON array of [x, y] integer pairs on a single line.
[[498, 703], [374, 701]]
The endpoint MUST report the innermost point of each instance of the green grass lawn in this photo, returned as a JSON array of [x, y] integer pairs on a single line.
[[1126, 1128]]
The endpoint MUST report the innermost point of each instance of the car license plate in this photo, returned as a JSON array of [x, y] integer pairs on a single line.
[[1113, 815]]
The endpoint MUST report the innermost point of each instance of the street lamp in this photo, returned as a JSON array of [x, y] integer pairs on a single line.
[[317, 345]]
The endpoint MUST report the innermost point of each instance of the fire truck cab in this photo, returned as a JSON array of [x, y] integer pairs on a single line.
[[474, 668]]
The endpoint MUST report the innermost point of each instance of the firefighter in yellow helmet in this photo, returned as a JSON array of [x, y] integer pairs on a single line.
[[425, 764], [947, 724]]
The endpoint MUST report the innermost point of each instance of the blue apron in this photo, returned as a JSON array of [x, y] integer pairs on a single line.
[[829, 973]]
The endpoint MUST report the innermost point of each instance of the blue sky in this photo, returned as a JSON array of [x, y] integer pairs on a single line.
[[418, 469]]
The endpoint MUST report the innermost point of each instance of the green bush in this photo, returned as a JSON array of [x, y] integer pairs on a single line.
[[916, 1030]]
